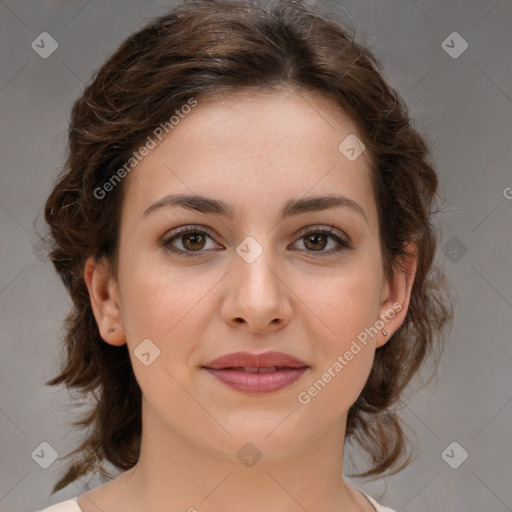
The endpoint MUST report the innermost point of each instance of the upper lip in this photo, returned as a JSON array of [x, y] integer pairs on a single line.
[[248, 360]]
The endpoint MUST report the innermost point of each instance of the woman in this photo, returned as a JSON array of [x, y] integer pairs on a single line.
[[244, 224]]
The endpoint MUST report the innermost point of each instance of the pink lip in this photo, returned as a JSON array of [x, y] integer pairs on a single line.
[[255, 383], [246, 359], [229, 370]]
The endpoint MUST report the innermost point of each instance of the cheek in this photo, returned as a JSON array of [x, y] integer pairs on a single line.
[[333, 389], [154, 297], [167, 307], [347, 303], [347, 307], [161, 315]]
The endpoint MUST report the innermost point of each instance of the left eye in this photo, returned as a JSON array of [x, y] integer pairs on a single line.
[[193, 241], [317, 241]]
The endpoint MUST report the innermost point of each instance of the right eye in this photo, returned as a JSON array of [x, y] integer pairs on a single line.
[[191, 239]]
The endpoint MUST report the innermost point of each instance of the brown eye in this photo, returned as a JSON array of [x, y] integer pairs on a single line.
[[188, 241], [319, 239], [193, 241], [316, 241]]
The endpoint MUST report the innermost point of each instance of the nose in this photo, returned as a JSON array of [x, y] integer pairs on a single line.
[[258, 300]]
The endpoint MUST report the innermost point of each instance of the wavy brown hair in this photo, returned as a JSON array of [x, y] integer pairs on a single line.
[[207, 50]]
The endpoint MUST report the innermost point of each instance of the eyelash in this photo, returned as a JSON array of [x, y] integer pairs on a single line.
[[178, 232]]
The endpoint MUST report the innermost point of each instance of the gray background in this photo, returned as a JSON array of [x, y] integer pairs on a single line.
[[463, 105]]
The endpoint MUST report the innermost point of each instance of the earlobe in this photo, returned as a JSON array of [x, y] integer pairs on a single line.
[[104, 298], [397, 298]]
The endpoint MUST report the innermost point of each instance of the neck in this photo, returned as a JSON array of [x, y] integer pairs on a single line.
[[174, 473]]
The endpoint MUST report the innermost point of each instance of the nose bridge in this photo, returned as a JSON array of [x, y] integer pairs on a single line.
[[256, 266], [258, 295]]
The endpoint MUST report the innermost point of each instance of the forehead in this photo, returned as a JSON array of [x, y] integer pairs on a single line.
[[270, 145]]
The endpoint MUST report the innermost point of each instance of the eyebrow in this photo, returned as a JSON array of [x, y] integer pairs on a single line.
[[290, 208]]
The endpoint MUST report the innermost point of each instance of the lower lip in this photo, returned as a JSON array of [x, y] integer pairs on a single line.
[[257, 383]]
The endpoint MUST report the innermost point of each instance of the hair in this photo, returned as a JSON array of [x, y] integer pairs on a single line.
[[208, 50]]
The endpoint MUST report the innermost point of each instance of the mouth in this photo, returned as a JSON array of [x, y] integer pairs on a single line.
[[270, 369], [257, 373], [257, 380]]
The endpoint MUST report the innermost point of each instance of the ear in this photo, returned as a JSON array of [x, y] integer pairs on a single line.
[[104, 295], [396, 295]]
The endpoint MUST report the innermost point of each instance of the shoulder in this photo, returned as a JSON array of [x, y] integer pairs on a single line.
[[64, 506], [378, 508]]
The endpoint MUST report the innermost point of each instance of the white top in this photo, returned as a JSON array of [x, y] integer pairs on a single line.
[[72, 505]]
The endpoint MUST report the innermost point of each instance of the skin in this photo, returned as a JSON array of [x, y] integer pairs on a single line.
[[254, 152]]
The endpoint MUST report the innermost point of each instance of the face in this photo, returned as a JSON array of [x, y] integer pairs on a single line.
[[197, 285]]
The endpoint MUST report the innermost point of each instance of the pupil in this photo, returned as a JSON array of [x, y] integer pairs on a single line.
[[315, 237], [193, 236]]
